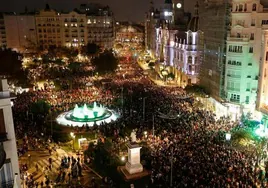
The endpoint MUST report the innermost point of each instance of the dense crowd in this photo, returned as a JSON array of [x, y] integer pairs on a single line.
[[187, 142]]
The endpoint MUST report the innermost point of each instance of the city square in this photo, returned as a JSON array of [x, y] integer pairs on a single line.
[[177, 100]]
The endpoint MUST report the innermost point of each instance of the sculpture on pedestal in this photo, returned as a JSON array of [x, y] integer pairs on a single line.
[[133, 136]]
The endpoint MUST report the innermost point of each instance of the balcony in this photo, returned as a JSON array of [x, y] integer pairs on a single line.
[[233, 76], [233, 89], [234, 100], [238, 39]]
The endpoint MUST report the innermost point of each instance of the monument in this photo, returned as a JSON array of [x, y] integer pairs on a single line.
[[133, 169], [133, 165]]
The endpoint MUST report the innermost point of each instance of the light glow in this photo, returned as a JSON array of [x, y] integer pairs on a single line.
[[262, 131], [166, 13], [80, 116]]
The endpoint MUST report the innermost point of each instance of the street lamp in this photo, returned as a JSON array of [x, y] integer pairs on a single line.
[[145, 134]]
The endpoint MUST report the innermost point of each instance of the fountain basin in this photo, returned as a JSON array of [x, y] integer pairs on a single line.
[[87, 115]]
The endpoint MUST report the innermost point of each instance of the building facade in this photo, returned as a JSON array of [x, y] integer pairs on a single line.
[[101, 29], [20, 31], [189, 48], [73, 29], [49, 28], [3, 40], [9, 165], [48, 25], [245, 54], [214, 22], [260, 20]]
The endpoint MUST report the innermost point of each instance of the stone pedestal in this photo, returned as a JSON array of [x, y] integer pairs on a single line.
[[133, 165]]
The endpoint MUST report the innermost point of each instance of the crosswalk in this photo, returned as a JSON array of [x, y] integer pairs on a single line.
[[43, 162]]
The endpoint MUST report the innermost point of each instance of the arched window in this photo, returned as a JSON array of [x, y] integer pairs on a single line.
[[190, 40]]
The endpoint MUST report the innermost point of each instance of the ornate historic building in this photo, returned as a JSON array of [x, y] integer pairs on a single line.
[[178, 42], [189, 49]]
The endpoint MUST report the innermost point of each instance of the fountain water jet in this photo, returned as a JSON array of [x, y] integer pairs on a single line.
[[85, 114]]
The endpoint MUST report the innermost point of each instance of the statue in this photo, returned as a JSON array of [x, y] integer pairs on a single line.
[[133, 136]]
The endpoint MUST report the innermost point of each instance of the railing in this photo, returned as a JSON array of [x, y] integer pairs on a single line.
[[233, 89], [233, 76], [238, 39], [235, 100]]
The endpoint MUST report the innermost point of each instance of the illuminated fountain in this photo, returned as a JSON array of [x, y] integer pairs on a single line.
[[262, 131], [90, 115]]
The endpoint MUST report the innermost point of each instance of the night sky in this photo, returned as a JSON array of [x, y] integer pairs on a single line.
[[132, 10]]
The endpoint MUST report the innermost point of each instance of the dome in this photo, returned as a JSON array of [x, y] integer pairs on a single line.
[[193, 24]]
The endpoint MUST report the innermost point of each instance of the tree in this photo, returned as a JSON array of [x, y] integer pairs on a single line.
[[105, 62], [11, 65], [91, 49], [40, 109]]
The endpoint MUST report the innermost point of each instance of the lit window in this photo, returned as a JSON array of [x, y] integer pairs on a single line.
[[75, 25], [66, 25], [88, 21]]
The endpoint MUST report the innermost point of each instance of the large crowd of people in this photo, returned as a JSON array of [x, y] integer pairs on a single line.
[[187, 144]]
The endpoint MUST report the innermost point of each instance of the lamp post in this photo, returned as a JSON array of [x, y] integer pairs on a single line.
[[122, 99], [153, 125], [171, 167], [73, 136], [143, 107]]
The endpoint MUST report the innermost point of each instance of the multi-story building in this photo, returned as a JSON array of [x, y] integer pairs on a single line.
[[3, 41], [152, 19], [189, 49], [127, 32], [214, 18], [254, 61], [20, 31], [48, 26], [100, 25], [9, 165], [74, 29], [245, 54]]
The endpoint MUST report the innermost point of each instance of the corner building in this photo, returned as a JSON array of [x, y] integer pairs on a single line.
[[9, 165], [245, 72]]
